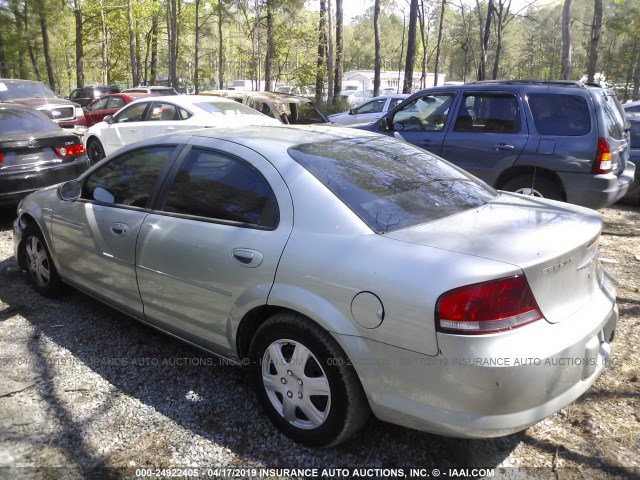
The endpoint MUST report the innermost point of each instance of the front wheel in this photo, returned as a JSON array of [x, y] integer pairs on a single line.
[[41, 271], [95, 151], [535, 186], [304, 382]]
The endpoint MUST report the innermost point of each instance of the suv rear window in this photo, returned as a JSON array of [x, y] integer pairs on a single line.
[[564, 115], [391, 185]]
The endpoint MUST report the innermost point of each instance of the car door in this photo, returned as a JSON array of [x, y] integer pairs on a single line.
[[95, 236], [95, 111], [125, 128], [423, 120], [209, 251], [487, 135], [369, 111]]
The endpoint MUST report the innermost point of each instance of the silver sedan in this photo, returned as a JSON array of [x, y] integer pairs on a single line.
[[350, 272]]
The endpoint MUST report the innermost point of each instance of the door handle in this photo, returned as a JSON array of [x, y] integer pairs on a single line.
[[503, 146], [119, 229], [427, 143], [170, 128], [247, 257], [133, 130]]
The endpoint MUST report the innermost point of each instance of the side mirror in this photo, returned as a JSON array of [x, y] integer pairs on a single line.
[[352, 111], [398, 126], [108, 119], [70, 191], [385, 124]]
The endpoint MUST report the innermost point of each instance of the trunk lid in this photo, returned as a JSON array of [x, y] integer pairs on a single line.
[[21, 150], [555, 245]]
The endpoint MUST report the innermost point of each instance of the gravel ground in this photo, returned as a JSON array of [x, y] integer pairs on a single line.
[[86, 392]]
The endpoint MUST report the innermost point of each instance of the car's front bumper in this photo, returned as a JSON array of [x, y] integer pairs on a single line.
[[597, 191], [489, 385]]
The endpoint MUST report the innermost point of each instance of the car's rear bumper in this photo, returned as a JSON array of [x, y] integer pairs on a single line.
[[489, 385], [18, 183], [597, 191]]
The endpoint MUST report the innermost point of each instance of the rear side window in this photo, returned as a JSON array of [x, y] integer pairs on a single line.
[[488, 113], [391, 185], [563, 115], [613, 117], [215, 185], [635, 134]]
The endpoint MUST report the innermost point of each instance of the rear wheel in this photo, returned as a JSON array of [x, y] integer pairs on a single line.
[[95, 150], [535, 186], [304, 382], [41, 271]]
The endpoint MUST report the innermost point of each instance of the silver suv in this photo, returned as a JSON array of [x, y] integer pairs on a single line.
[[559, 139]]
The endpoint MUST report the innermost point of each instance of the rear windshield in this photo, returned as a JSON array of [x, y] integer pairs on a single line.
[[391, 185], [19, 90], [13, 120], [226, 108], [564, 115]]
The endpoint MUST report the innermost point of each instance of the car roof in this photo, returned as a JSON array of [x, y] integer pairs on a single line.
[[280, 137], [183, 99]]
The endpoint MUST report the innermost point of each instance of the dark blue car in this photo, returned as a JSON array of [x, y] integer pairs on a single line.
[[561, 140]]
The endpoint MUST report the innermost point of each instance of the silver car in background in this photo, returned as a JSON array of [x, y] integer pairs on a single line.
[[352, 273], [369, 111]]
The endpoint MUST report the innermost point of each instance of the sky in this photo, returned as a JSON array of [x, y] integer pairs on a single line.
[[353, 8]]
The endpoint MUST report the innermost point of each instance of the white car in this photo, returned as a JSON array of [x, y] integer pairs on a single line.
[[153, 116], [369, 111]]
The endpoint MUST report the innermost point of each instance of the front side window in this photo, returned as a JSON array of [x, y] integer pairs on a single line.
[[133, 113], [128, 179], [564, 115], [391, 185], [221, 187], [394, 103], [425, 113], [488, 113]]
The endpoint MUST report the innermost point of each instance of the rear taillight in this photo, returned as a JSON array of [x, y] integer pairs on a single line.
[[603, 157], [70, 151], [1, 159], [487, 307]]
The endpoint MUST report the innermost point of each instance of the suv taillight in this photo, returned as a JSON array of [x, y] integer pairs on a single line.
[[487, 307], [70, 151], [603, 157]]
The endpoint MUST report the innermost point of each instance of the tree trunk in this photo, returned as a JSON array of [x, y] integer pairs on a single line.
[[376, 44], [436, 68], [172, 22], [268, 58], [330, 57], [596, 27], [425, 43], [135, 76], [77, 14], [220, 48], [411, 47], [337, 81], [636, 81], [105, 45], [566, 40], [153, 68], [3, 61], [485, 35], [322, 50], [45, 47], [196, 60]]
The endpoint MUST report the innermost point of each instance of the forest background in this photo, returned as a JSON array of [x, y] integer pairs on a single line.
[[195, 45]]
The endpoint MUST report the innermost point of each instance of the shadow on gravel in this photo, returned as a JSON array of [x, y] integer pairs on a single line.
[[164, 374]]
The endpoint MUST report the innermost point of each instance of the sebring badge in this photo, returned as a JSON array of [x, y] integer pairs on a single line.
[[556, 267]]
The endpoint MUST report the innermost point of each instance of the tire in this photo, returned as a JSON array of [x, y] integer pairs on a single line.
[[41, 271], [535, 186], [291, 357], [95, 151]]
